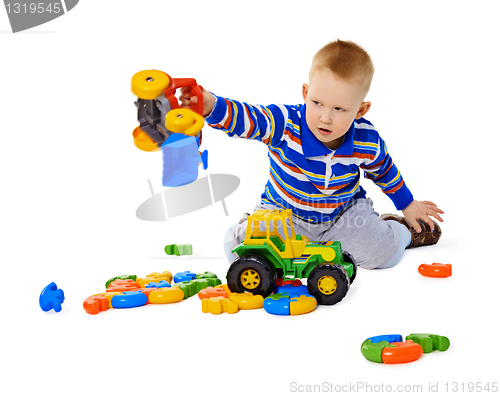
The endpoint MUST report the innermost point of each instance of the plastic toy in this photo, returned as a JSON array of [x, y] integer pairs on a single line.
[[122, 277], [192, 287], [284, 304], [129, 299], [263, 254], [122, 285], [95, 304], [372, 347], [156, 98], [162, 283], [51, 298], [391, 349], [302, 304], [217, 305], [184, 276], [129, 293], [247, 300], [226, 289], [401, 352], [179, 250], [430, 342], [148, 290], [104, 301], [212, 292], [277, 304], [163, 124], [291, 290], [206, 275], [144, 282], [181, 156], [166, 295], [165, 275], [435, 270], [108, 296], [282, 282], [155, 277]]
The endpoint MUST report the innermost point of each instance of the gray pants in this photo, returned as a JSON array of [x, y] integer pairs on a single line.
[[372, 242]]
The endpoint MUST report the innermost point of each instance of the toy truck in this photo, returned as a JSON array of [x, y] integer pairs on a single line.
[[265, 254]]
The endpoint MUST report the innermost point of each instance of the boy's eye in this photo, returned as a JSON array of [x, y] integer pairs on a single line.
[[317, 103], [339, 109]]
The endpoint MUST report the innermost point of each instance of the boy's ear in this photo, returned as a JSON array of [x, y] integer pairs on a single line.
[[363, 109], [305, 90]]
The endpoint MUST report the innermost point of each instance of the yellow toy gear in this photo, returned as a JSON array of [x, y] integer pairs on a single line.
[[148, 84]]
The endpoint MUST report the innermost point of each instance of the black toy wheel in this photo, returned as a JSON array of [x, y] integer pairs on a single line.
[[348, 259], [251, 273], [329, 283]]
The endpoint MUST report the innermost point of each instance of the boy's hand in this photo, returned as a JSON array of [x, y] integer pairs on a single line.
[[186, 99], [422, 210]]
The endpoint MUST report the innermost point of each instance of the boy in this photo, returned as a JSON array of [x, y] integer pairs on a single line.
[[316, 152]]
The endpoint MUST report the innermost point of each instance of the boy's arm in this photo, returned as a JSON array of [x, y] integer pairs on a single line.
[[263, 123], [384, 173], [238, 119]]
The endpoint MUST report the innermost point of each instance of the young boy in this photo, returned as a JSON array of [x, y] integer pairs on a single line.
[[316, 153]]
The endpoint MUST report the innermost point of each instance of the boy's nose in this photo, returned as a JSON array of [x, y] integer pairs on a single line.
[[325, 118]]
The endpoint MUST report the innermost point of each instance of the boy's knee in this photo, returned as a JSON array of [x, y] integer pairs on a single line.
[[376, 260], [378, 249]]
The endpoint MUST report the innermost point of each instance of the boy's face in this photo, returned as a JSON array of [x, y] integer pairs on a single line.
[[332, 105]]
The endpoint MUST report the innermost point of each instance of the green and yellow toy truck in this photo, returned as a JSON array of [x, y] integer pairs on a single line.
[[265, 255]]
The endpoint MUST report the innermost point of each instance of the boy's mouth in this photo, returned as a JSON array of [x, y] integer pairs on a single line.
[[324, 131]]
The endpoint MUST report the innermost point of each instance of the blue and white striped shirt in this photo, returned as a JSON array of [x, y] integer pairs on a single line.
[[306, 176]]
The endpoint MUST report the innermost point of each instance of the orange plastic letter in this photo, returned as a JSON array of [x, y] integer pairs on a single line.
[[95, 304]]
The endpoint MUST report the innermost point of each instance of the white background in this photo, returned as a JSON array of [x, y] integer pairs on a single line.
[[72, 180]]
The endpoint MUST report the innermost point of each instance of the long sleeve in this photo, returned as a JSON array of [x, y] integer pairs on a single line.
[[384, 173], [253, 122]]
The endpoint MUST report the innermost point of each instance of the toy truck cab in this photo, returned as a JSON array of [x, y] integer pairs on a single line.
[[271, 248]]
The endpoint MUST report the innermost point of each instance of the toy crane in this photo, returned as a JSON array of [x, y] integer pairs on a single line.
[[164, 125]]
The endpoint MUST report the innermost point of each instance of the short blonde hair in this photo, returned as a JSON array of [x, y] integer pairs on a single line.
[[347, 60]]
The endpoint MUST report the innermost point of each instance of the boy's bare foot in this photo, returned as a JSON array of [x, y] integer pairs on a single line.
[[426, 237]]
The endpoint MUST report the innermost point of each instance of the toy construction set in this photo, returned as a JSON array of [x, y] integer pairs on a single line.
[[270, 265]]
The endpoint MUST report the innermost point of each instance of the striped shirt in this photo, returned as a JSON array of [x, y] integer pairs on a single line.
[[315, 182]]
